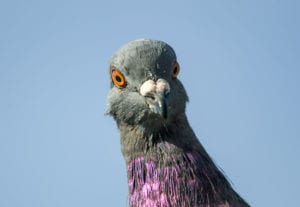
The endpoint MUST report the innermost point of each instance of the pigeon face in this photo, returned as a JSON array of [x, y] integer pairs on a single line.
[[144, 86]]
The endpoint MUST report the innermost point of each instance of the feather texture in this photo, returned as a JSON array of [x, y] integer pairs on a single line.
[[166, 164]]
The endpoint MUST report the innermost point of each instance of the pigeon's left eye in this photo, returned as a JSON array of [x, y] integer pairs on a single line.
[[118, 78], [176, 69]]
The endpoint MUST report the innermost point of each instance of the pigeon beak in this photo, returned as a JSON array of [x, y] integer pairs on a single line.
[[156, 96], [159, 105]]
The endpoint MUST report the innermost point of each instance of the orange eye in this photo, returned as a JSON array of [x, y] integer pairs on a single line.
[[118, 78], [176, 69]]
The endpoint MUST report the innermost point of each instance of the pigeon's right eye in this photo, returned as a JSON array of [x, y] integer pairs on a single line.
[[118, 78]]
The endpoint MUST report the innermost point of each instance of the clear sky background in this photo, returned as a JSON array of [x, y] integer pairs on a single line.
[[240, 64]]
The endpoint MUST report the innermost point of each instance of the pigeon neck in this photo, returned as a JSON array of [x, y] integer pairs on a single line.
[[136, 140], [167, 168]]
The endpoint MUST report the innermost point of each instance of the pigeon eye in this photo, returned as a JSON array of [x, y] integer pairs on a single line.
[[118, 78], [176, 69]]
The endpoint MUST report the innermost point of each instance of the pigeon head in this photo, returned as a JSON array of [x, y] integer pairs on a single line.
[[145, 89]]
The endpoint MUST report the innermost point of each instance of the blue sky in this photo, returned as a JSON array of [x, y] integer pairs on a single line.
[[240, 65]]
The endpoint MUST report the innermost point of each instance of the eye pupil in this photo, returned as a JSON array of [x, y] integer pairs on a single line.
[[118, 78], [175, 70]]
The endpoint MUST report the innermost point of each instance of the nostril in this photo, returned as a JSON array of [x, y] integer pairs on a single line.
[[150, 96], [166, 94]]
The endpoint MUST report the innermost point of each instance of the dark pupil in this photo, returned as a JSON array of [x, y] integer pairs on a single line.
[[118, 78], [175, 70]]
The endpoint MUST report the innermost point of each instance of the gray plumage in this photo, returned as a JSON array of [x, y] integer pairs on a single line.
[[166, 164]]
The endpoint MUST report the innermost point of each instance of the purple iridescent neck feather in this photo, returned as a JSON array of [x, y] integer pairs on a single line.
[[164, 170]]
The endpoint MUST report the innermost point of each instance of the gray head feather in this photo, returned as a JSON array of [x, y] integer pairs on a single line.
[[139, 61]]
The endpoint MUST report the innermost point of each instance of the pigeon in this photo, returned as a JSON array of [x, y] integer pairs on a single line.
[[166, 164]]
